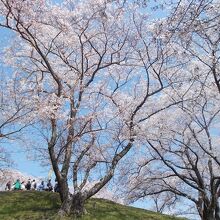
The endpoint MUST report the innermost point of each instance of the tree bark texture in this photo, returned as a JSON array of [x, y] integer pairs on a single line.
[[73, 205]]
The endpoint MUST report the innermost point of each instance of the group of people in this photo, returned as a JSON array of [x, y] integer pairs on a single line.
[[32, 185]]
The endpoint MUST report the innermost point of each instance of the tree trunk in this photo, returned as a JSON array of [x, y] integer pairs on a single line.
[[208, 214], [208, 211], [63, 190], [217, 210], [78, 204], [65, 198], [73, 205], [65, 209]]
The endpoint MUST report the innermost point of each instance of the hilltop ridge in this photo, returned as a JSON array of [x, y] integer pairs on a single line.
[[36, 205]]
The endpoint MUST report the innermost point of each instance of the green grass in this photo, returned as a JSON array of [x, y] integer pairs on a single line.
[[31, 205]]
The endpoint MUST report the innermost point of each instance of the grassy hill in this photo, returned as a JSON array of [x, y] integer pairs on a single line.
[[31, 205]]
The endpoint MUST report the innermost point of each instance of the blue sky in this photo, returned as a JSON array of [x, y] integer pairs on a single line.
[[25, 165], [19, 154]]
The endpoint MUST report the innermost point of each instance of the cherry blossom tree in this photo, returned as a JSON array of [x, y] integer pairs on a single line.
[[184, 159], [185, 153], [96, 70]]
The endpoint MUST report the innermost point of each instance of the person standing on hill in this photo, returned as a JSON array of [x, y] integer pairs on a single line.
[[23, 185], [49, 186], [56, 187], [8, 186], [28, 185], [33, 185], [17, 185], [41, 187]]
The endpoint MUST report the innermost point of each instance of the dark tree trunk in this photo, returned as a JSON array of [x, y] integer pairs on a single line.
[[73, 205], [63, 190], [205, 212], [78, 204], [208, 214], [65, 209], [65, 198], [217, 211]]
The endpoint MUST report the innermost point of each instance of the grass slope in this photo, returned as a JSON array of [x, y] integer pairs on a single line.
[[32, 205]]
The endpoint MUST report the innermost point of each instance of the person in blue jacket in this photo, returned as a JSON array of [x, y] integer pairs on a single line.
[[41, 187]]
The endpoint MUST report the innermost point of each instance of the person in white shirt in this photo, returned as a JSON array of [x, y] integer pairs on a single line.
[[33, 185], [23, 185]]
